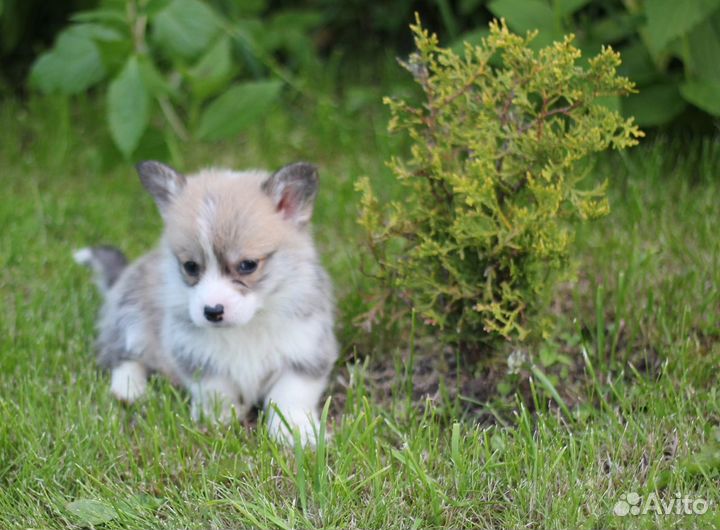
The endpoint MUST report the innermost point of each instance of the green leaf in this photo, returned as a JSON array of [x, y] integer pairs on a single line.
[[113, 47], [568, 7], [153, 79], [97, 32], [668, 19], [654, 105], [73, 65], [185, 28], [91, 512], [114, 53], [236, 109], [524, 15], [128, 107], [213, 69], [153, 7], [703, 94], [110, 15], [527, 15], [703, 50]]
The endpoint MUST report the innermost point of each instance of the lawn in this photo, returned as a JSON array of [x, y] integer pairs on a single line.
[[623, 397]]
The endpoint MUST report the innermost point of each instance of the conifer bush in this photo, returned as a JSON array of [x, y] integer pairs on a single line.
[[493, 183]]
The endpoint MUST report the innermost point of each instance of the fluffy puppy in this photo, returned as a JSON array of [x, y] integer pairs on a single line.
[[233, 303]]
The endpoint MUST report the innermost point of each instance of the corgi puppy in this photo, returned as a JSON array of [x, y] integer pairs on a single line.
[[232, 304]]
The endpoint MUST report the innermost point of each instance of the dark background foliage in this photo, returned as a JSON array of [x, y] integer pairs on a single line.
[[26, 28], [669, 48]]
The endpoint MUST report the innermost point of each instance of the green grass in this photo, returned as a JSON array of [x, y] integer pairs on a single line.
[[635, 410]]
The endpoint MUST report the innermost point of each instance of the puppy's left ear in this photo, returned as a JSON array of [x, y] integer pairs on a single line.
[[293, 189]]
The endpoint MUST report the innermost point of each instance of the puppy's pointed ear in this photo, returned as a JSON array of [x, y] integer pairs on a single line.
[[293, 189], [163, 182]]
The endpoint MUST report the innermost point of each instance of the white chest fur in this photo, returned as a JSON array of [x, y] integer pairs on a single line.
[[249, 355]]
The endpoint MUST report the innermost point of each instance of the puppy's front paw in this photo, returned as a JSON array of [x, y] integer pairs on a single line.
[[305, 422], [128, 381]]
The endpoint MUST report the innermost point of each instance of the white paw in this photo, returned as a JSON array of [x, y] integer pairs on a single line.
[[83, 256], [128, 381], [303, 422]]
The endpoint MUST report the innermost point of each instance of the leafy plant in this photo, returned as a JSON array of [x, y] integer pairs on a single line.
[[493, 180], [669, 48], [202, 70]]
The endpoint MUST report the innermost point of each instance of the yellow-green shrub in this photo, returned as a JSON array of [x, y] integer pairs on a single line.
[[493, 180]]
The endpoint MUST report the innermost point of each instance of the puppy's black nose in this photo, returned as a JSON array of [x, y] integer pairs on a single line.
[[214, 314]]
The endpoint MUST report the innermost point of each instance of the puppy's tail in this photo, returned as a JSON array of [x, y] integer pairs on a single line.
[[106, 262]]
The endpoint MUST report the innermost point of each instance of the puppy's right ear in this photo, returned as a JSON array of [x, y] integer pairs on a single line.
[[163, 182]]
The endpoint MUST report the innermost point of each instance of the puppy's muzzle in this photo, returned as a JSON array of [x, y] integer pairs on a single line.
[[214, 314]]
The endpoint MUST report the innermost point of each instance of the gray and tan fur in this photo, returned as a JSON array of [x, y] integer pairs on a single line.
[[233, 304]]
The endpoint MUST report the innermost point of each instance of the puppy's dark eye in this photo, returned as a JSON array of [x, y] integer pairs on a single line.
[[247, 266], [191, 268]]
